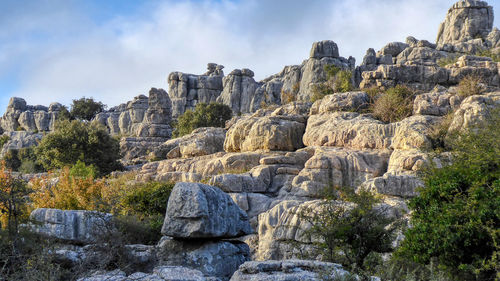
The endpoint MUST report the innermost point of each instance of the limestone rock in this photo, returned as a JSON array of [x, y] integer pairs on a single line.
[[74, 226], [214, 259], [20, 139], [290, 270], [201, 211], [264, 133], [186, 90], [393, 49], [350, 101], [160, 273], [474, 110], [466, 19], [239, 90], [202, 141], [404, 186], [323, 49], [330, 167], [436, 103]]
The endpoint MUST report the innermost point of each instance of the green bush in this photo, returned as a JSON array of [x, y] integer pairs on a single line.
[[74, 141], [23, 160], [394, 105], [338, 81], [86, 108], [352, 233], [3, 140], [489, 53], [148, 199], [204, 115], [456, 218]]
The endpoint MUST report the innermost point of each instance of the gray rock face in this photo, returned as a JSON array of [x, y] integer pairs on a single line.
[[350, 101], [18, 140], [186, 90], [161, 273], [20, 116], [436, 103], [201, 211], [290, 270], [74, 226], [474, 111], [466, 20], [323, 49], [239, 91], [214, 259]]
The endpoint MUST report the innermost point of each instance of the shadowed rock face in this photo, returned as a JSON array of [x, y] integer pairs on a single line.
[[466, 20], [197, 210]]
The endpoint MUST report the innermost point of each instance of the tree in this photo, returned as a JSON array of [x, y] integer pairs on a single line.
[[204, 115], [456, 217], [73, 140], [86, 108], [351, 227]]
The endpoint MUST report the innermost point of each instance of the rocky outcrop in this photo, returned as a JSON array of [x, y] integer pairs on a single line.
[[350, 101], [466, 20], [20, 139], [197, 210], [290, 270], [215, 259], [202, 141], [37, 118], [161, 273], [81, 227], [439, 102], [186, 90], [239, 91], [474, 111]]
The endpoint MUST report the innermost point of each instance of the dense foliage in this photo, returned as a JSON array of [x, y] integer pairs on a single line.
[[456, 218], [352, 230], [86, 108], [204, 115], [74, 141], [23, 160]]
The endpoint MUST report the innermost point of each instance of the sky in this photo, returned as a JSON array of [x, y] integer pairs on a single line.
[[113, 50]]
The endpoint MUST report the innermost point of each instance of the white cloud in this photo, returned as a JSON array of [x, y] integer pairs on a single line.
[[126, 55]]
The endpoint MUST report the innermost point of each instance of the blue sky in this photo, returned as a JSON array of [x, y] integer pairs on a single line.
[[113, 50]]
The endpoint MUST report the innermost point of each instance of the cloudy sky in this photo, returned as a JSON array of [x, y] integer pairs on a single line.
[[113, 50]]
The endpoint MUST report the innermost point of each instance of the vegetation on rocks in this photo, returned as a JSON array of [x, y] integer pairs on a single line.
[[470, 85], [456, 219], [86, 108], [74, 141], [204, 115], [394, 105], [338, 81]]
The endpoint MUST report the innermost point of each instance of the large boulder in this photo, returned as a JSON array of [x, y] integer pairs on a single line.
[[475, 110], [466, 20], [265, 133], [83, 227], [20, 139], [197, 210], [350, 101], [218, 259], [289, 270], [323, 49]]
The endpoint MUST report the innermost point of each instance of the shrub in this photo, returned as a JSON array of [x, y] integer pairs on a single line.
[[439, 132], [86, 108], [489, 53], [23, 160], [451, 59], [148, 199], [74, 141], [394, 105], [351, 232], [470, 85], [204, 115], [456, 217], [338, 81], [3, 140]]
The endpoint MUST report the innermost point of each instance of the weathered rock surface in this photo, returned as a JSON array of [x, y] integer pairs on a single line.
[[202, 141], [197, 210], [354, 130], [466, 20], [214, 259], [474, 111], [161, 273], [333, 167], [239, 91], [437, 103], [74, 226], [18, 140], [290, 270], [20, 116], [350, 101], [278, 132], [186, 90]]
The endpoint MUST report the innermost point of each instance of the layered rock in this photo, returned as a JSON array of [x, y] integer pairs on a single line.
[[186, 90], [290, 270], [20, 139], [82, 227], [202, 211], [161, 273], [474, 111], [466, 20], [202, 141], [239, 91]]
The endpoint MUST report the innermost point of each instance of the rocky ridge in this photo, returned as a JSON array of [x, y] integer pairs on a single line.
[[274, 161]]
